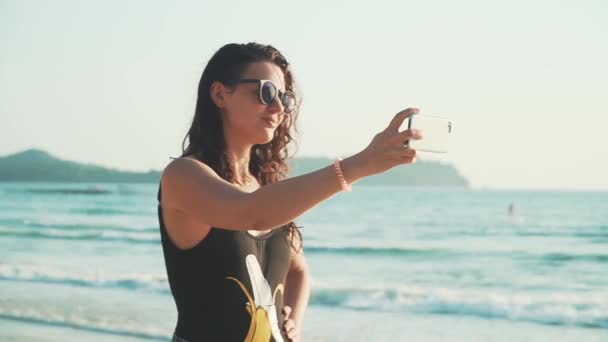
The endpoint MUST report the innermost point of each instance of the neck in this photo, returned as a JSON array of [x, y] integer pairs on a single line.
[[239, 156], [238, 152]]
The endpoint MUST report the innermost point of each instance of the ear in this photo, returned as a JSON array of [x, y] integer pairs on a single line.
[[218, 94]]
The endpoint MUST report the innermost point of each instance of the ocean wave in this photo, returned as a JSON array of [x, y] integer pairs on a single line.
[[564, 257], [589, 231], [565, 233], [378, 250], [113, 189], [69, 191], [586, 310], [76, 322], [110, 211], [115, 234], [94, 235], [152, 236], [428, 251], [70, 225], [48, 275]]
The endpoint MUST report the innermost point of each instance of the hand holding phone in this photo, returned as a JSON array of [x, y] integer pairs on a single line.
[[435, 132]]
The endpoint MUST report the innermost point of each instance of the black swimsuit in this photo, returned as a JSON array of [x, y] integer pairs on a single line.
[[229, 287]]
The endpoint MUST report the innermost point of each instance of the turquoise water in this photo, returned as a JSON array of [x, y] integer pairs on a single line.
[[94, 262]]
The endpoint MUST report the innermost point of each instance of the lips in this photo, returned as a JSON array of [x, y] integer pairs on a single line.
[[271, 122]]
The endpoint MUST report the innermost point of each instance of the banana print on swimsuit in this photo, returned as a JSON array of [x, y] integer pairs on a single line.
[[264, 322]]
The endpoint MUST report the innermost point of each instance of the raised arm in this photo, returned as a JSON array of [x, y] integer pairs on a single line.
[[194, 188]]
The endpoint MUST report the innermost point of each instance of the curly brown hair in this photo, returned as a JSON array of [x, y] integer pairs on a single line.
[[267, 161]]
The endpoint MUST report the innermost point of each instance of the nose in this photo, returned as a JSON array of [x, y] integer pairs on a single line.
[[276, 106]]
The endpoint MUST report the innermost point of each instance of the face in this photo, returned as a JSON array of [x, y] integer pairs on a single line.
[[244, 115]]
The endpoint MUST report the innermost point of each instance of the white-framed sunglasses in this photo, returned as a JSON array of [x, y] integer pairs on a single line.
[[268, 92]]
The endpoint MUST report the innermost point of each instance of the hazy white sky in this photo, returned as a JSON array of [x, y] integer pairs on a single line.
[[114, 82]]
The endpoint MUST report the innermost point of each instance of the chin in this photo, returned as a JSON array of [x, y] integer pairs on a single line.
[[265, 141], [267, 137]]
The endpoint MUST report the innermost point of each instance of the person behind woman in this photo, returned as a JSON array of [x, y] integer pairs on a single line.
[[232, 251]]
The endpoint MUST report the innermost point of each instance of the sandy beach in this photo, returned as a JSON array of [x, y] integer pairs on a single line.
[[348, 325]]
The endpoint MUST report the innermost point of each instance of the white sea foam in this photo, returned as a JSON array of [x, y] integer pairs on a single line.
[[46, 274], [585, 309]]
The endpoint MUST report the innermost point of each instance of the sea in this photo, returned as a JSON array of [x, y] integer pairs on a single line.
[[84, 261]]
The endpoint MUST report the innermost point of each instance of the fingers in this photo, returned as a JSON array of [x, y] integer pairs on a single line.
[[286, 311], [289, 328], [408, 160], [289, 325], [399, 118], [407, 153], [403, 137], [402, 153]]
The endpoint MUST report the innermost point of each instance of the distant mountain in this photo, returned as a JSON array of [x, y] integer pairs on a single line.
[[37, 165]]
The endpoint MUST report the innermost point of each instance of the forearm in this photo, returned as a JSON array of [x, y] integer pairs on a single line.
[[297, 294], [304, 192]]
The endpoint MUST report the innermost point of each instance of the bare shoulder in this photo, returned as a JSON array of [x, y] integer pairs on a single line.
[[185, 166], [184, 230], [183, 179], [199, 194]]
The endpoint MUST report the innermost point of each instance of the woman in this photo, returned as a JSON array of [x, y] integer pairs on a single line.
[[233, 254]]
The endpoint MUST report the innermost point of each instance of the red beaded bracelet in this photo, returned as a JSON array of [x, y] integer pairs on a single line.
[[345, 186]]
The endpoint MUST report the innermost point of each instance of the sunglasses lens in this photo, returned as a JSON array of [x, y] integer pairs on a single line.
[[268, 92], [289, 102]]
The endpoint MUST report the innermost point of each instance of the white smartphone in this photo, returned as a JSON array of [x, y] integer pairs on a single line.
[[435, 132]]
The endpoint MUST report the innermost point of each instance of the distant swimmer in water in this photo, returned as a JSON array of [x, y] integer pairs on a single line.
[[511, 209]]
